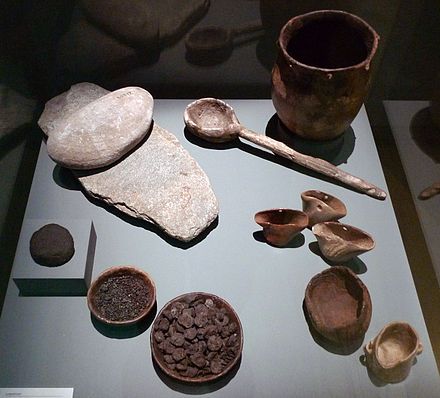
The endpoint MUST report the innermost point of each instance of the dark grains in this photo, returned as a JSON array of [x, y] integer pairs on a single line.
[[122, 298]]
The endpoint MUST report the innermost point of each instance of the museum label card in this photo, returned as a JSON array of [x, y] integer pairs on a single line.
[[36, 392]]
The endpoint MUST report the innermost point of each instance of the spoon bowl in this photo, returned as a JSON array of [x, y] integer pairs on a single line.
[[212, 120], [207, 39], [212, 41]]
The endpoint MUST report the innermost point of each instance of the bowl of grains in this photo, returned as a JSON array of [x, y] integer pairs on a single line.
[[196, 338], [121, 296]]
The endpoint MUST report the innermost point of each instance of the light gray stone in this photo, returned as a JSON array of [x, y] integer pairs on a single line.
[[100, 133], [62, 106], [159, 182]]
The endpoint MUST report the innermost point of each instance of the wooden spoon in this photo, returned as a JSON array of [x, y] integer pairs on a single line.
[[215, 121]]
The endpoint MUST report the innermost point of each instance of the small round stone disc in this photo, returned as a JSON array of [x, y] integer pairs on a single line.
[[52, 245]]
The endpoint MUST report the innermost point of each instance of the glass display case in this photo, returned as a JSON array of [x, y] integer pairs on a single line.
[[181, 51]]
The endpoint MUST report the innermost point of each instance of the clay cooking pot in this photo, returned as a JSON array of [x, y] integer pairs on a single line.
[[391, 353], [322, 72]]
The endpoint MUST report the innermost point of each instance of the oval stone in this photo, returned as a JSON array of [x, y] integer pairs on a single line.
[[63, 105], [103, 131]]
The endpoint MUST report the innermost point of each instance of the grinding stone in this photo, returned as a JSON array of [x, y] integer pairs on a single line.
[[62, 106], [159, 182], [52, 245], [100, 133]]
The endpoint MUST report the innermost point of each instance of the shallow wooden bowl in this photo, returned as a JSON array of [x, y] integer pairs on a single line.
[[281, 225], [175, 307], [114, 272], [321, 207], [338, 305]]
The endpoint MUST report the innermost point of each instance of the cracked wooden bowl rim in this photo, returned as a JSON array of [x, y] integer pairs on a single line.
[[344, 333]]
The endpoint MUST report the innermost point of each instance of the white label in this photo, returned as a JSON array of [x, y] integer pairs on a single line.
[[36, 392]]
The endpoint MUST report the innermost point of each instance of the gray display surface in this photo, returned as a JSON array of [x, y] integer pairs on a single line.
[[52, 341]]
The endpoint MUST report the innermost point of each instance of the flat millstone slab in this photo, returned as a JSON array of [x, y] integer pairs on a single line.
[[159, 182], [101, 132]]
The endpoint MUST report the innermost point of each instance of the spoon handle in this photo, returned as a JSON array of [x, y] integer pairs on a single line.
[[319, 165], [253, 26]]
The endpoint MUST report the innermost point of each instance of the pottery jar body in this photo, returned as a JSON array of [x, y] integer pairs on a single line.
[[322, 73], [390, 355]]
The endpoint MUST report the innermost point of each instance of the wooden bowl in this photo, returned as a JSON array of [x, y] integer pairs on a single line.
[[341, 242], [321, 207], [390, 355], [338, 305], [281, 225], [107, 288], [216, 347]]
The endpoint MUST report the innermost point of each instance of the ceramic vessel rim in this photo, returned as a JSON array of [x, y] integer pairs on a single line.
[[198, 380], [311, 195], [379, 337], [114, 270], [297, 213], [348, 226], [365, 63], [336, 270]]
